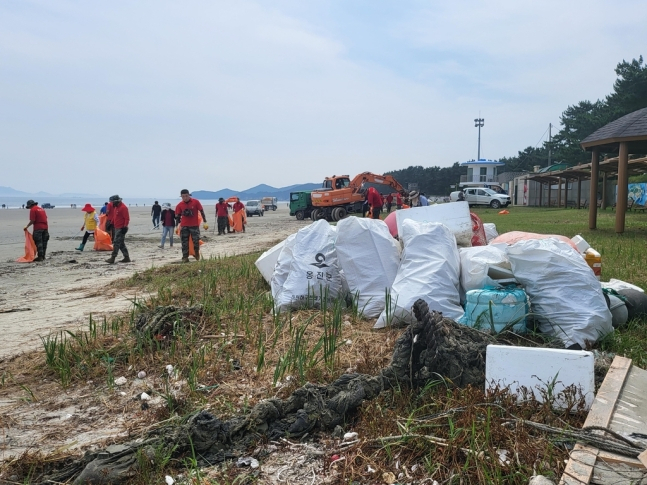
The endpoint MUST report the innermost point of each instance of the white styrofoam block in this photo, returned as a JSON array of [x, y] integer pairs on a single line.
[[456, 216], [266, 262], [538, 369]]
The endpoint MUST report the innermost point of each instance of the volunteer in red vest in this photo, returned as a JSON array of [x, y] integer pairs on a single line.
[[222, 213], [389, 203], [375, 201], [90, 223], [186, 214], [38, 218], [239, 216], [120, 220], [398, 201]]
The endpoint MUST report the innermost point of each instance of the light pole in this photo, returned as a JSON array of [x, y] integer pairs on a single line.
[[479, 122]]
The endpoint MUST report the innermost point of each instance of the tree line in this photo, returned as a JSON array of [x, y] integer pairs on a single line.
[[577, 122]]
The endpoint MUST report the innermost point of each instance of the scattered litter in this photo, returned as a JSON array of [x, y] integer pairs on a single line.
[[141, 374], [388, 477], [370, 469], [334, 458], [503, 457], [145, 397], [169, 369], [120, 381], [350, 436], [248, 461], [169, 480]]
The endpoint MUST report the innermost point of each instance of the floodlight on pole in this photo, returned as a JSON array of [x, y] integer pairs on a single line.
[[479, 122]]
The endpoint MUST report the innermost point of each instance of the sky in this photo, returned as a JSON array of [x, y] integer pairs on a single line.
[[145, 98]]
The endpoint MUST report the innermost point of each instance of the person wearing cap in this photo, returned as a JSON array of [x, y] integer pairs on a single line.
[[90, 223], [186, 214], [414, 199], [424, 202], [156, 211], [110, 228], [168, 224], [120, 221], [38, 218], [104, 209], [222, 213]]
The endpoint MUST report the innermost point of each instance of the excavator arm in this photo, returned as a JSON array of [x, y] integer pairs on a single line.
[[383, 183]]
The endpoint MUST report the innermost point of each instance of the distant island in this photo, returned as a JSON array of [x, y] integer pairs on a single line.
[[9, 192], [257, 192]]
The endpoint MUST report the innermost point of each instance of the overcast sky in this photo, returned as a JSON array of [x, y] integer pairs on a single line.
[[144, 98]]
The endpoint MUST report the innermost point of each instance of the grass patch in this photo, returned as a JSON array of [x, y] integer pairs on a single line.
[[235, 350]]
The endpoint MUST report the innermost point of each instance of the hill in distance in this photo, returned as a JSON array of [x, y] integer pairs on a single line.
[[9, 192], [257, 192]]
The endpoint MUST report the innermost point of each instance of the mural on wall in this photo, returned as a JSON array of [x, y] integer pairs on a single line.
[[638, 192]]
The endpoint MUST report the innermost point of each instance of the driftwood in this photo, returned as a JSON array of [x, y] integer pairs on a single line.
[[433, 347]]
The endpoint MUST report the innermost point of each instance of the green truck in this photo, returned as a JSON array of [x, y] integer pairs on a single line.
[[301, 204]]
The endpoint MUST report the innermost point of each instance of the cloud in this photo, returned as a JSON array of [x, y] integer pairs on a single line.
[[145, 97]]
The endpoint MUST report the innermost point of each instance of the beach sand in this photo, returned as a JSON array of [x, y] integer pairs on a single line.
[[37, 299]]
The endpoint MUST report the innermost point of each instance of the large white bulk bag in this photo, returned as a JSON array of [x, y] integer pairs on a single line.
[[369, 258], [563, 291], [475, 264], [314, 270], [429, 269], [282, 267]]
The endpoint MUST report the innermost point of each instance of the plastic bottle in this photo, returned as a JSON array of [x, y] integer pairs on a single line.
[[594, 260]]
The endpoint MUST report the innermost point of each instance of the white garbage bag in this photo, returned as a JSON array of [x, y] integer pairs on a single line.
[[563, 291], [490, 231], [266, 263], [475, 264], [369, 257], [429, 269], [282, 267], [314, 270]]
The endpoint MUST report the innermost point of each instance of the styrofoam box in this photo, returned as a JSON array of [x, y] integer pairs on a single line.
[[267, 261], [455, 215], [538, 369]]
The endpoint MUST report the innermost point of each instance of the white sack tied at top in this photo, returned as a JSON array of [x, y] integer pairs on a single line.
[[490, 231], [563, 291], [314, 270], [369, 257], [429, 269]]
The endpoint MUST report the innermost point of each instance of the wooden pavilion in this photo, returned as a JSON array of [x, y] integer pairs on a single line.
[[625, 135]]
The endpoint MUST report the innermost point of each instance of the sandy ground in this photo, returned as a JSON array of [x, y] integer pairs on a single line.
[[60, 293]]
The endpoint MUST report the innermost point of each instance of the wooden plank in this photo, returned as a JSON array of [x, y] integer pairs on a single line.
[[606, 473], [581, 462], [608, 457], [643, 458]]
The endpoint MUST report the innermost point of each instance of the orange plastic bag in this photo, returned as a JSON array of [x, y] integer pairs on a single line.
[[102, 241], [30, 249], [102, 221], [504, 212], [191, 250]]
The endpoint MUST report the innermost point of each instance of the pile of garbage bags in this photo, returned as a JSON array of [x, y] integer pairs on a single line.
[[516, 278]]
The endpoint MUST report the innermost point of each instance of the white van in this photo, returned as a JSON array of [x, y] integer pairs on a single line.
[[482, 196]]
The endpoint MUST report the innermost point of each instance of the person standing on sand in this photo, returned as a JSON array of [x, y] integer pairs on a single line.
[[168, 224], [120, 220], [90, 223], [156, 211], [104, 209], [222, 213], [38, 218], [110, 228], [239, 216], [186, 214], [389, 203], [375, 201]]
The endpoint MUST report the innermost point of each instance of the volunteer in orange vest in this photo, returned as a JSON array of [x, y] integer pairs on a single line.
[[239, 216], [38, 218], [186, 214], [90, 223], [120, 220]]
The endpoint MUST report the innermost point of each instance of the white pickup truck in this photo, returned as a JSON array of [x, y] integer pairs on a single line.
[[482, 196]]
